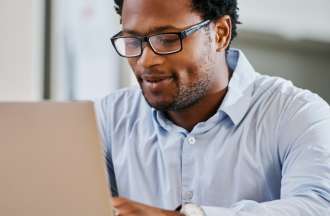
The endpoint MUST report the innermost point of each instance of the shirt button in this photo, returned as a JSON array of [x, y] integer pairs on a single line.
[[191, 140], [188, 196]]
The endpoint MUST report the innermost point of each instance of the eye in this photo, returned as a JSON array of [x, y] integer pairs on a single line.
[[132, 42], [168, 39]]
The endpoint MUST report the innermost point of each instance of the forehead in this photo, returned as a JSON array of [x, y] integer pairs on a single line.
[[145, 15]]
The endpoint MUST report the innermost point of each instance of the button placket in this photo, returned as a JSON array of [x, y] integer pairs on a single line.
[[188, 163], [187, 197], [191, 140]]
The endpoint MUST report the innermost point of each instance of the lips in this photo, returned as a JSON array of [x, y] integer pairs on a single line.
[[156, 83], [155, 78]]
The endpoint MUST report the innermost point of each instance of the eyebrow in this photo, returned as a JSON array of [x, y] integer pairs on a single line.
[[151, 31]]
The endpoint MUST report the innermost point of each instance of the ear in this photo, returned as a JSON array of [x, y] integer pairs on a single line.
[[223, 32]]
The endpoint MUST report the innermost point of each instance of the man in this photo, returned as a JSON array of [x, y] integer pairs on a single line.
[[205, 132]]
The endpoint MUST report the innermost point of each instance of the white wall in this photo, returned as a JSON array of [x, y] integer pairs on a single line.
[[84, 64], [20, 50], [294, 19]]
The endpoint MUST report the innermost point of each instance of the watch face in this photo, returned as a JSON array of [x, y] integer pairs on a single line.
[[192, 210]]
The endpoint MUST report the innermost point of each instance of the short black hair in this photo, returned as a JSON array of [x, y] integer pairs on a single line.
[[208, 9]]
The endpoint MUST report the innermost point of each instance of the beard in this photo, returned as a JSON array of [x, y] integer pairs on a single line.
[[184, 97], [188, 96]]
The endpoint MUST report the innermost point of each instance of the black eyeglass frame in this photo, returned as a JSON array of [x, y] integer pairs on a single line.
[[146, 39]]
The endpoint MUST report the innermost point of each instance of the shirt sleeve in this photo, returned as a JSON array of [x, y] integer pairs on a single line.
[[101, 108], [304, 149]]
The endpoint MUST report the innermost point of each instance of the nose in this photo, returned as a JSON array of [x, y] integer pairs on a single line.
[[148, 58]]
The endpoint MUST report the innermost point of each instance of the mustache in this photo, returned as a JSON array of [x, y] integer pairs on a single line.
[[155, 73]]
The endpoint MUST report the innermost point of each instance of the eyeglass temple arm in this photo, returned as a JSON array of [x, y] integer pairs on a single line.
[[189, 31]]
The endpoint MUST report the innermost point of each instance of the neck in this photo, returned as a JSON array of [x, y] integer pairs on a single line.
[[199, 112]]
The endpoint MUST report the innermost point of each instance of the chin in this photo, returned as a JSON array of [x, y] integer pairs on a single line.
[[158, 100], [158, 103]]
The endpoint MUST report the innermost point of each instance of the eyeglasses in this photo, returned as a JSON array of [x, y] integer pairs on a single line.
[[161, 44]]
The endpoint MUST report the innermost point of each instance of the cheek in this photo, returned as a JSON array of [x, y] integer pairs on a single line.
[[188, 73], [133, 67], [190, 69]]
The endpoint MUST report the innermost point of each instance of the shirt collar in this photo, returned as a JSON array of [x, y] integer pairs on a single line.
[[240, 88]]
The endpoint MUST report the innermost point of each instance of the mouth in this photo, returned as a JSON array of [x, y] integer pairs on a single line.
[[154, 79], [156, 83]]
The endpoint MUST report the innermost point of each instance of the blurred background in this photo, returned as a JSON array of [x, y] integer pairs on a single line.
[[60, 50]]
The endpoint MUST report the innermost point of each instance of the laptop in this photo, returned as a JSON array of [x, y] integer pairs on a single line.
[[52, 161]]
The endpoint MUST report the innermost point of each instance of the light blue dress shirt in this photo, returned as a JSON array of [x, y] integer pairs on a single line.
[[266, 152]]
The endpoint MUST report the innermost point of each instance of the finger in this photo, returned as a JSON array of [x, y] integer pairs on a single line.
[[129, 211], [119, 201], [125, 207]]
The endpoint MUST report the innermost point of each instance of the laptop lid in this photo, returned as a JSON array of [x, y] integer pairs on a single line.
[[51, 161]]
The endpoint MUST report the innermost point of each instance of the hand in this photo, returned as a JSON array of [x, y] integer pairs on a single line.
[[125, 207]]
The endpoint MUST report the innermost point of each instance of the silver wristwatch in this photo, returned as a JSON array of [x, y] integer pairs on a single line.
[[191, 209]]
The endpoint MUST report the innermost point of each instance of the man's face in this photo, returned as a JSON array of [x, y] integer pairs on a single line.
[[176, 81]]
